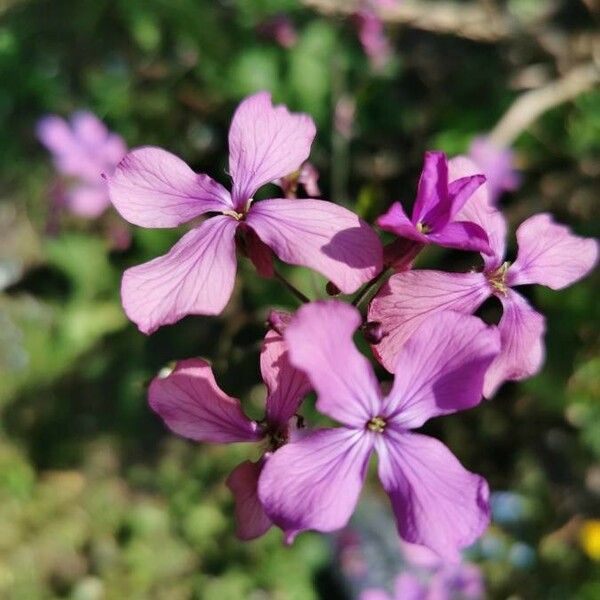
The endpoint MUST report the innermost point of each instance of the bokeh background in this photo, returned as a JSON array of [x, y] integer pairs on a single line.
[[97, 499]]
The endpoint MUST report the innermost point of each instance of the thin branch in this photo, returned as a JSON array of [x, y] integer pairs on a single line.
[[469, 21], [530, 105], [292, 288]]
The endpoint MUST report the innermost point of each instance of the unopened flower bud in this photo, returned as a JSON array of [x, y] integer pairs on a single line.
[[278, 320], [373, 332]]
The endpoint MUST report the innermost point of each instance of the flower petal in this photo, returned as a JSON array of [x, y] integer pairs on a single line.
[[154, 188], [441, 368], [192, 405], [436, 501], [462, 235], [432, 205], [396, 221], [195, 277], [250, 518], [549, 254], [319, 235], [286, 385], [88, 201], [522, 343], [315, 482], [411, 297], [460, 190], [480, 211], [266, 142], [319, 341]]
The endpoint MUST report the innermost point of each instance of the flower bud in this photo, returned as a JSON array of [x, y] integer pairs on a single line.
[[373, 332]]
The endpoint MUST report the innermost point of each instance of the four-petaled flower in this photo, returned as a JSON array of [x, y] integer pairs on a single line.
[[192, 405], [153, 188], [314, 483], [549, 254]]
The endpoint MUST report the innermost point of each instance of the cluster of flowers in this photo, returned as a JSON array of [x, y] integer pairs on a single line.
[[420, 324]]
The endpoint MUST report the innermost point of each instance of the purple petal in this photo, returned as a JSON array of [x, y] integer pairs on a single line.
[[396, 221], [441, 368], [460, 190], [266, 143], [479, 210], [436, 501], [522, 343], [192, 405], [320, 235], [55, 134], [315, 483], [88, 201], [409, 587], [432, 205], [250, 518], [410, 298], [286, 385], [195, 278], [154, 188], [462, 235], [319, 341], [549, 254]]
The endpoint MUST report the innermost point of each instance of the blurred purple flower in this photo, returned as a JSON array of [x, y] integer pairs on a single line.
[[315, 482], [193, 406], [497, 164], [372, 36], [82, 149], [154, 188], [307, 176], [279, 28], [549, 254]]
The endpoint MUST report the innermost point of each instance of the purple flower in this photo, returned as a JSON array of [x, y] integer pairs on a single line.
[[82, 149], [435, 218], [192, 405], [153, 188], [497, 163], [549, 254], [372, 36], [307, 176], [315, 482]]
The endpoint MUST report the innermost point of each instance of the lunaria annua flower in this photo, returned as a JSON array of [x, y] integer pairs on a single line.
[[153, 188], [315, 482]]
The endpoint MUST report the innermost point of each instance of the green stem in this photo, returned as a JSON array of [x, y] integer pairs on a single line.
[[292, 288], [376, 282]]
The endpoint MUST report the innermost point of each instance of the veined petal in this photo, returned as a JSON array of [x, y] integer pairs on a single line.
[[286, 385], [195, 278], [320, 235], [192, 405], [437, 503], [411, 297], [266, 142], [250, 518], [522, 343], [315, 483], [463, 235], [396, 221], [154, 188], [441, 368], [319, 341], [479, 210], [549, 254], [432, 205]]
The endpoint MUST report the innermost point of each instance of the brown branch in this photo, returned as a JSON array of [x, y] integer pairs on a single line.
[[530, 105], [469, 21]]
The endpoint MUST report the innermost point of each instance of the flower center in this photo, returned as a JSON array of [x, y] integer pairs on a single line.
[[423, 227], [236, 215], [497, 278], [376, 424]]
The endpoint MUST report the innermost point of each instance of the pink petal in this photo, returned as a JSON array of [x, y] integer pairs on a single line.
[[441, 368], [432, 204], [462, 235], [315, 482], [409, 587], [460, 190], [396, 221], [88, 201], [266, 143], [319, 341], [192, 405], [411, 297], [522, 343], [89, 129], [549, 254], [436, 501], [286, 385], [250, 518], [480, 211], [55, 134], [320, 235], [195, 278], [154, 188]]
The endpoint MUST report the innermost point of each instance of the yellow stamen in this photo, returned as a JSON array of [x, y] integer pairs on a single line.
[[376, 424], [497, 278], [423, 228]]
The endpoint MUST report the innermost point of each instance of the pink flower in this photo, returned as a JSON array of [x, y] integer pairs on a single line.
[[315, 482], [549, 254], [153, 188], [82, 149], [307, 176], [192, 405], [497, 164], [435, 218], [372, 36]]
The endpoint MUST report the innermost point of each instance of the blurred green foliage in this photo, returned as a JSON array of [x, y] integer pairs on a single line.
[[97, 500]]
